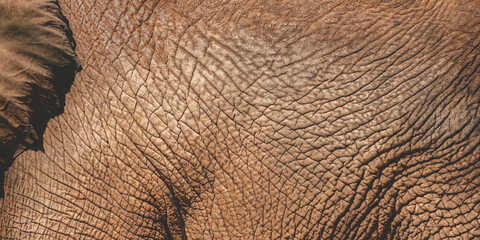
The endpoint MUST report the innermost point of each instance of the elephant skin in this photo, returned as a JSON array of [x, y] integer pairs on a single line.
[[308, 119], [38, 66]]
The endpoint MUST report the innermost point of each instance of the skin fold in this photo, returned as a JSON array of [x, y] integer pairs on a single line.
[[315, 119]]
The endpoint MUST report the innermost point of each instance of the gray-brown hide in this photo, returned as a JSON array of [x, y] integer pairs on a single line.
[[306, 119]]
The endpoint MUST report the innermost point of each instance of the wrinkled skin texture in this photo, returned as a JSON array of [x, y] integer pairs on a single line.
[[243, 120]]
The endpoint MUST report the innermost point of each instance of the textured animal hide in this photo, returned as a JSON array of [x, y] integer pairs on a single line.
[[37, 67]]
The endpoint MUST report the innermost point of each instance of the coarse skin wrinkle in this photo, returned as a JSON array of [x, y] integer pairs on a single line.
[[260, 120]]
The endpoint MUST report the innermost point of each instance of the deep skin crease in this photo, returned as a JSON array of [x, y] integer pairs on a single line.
[[260, 120]]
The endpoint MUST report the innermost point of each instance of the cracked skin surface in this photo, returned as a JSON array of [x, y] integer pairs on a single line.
[[249, 120]]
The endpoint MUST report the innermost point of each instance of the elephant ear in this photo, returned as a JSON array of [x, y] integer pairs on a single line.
[[37, 67]]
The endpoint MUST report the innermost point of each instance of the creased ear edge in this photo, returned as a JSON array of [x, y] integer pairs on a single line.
[[37, 70]]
